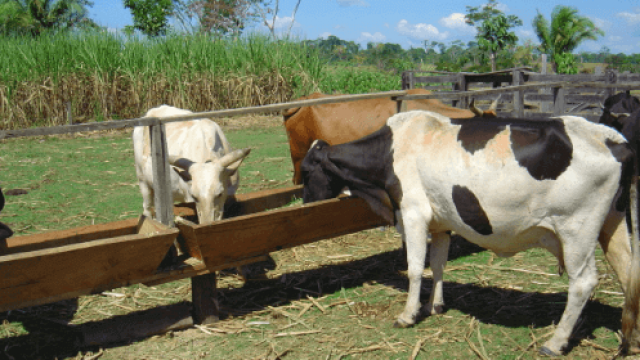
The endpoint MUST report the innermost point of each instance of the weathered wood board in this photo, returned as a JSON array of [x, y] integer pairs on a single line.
[[241, 204], [252, 235], [38, 269]]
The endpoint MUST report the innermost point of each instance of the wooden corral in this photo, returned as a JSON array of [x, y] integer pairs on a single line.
[[534, 94]]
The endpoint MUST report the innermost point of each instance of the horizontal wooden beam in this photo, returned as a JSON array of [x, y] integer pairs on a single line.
[[121, 124], [257, 234]]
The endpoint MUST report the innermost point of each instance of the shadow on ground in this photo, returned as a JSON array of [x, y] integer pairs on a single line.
[[49, 339]]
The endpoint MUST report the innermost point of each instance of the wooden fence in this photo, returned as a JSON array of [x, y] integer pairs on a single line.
[[299, 228], [543, 95]]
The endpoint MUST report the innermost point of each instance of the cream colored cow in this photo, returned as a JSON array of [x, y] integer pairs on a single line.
[[205, 169]]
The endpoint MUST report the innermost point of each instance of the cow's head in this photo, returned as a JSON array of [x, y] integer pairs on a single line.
[[209, 182], [318, 174]]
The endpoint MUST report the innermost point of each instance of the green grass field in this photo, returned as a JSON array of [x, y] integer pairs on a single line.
[[496, 308]]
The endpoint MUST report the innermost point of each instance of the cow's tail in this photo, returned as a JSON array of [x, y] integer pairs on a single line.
[[632, 295]]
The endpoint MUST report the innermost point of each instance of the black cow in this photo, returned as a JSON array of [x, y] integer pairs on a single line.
[[622, 112], [507, 185], [5, 232]]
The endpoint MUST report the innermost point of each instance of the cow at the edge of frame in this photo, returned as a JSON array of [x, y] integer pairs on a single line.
[[5, 232], [204, 168], [343, 122], [508, 185], [622, 112]]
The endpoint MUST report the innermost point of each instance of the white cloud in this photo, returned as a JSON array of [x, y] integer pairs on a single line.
[[339, 27], [456, 21], [615, 38], [284, 22], [386, 25], [525, 34], [600, 23], [368, 37], [347, 3], [631, 17], [420, 31], [325, 35], [502, 7]]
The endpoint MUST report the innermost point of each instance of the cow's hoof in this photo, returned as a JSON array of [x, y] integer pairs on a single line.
[[401, 324], [548, 352], [434, 310]]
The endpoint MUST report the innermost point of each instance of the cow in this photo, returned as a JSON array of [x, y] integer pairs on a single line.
[[5, 231], [343, 122], [204, 168], [508, 185], [622, 112]]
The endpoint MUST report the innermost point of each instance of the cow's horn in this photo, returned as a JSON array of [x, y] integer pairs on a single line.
[[180, 162], [474, 109], [618, 115], [234, 156], [494, 104]]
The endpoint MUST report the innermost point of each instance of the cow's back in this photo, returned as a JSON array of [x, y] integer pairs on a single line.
[[494, 177]]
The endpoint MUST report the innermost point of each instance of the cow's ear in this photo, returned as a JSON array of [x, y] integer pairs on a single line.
[[185, 175], [379, 201], [180, 162], [1, 200]]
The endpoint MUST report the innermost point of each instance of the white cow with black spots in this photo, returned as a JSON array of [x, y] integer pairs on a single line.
[[506, 184]]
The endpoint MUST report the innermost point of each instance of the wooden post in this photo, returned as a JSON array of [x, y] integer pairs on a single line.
[[518, 96], [163, 197], [204, 299], [611, 77], [69, 114], [407, 80], [461, 85], [545, 106], [558, 100], [401, 106]]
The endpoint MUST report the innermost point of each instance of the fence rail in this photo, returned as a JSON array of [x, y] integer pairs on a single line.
[[533, 94]]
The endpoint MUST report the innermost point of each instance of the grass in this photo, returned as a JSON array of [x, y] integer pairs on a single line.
[[107, 76], [501, 308]]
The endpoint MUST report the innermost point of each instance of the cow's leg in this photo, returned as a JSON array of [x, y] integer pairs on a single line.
[[614, 240], [438, 260], [147, 198], [580, 263], [414, 230]]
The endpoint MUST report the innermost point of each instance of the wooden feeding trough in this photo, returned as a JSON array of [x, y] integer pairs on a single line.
[[253, 232], [43, 268]]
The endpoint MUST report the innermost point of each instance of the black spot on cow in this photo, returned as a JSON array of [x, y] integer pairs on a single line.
[[542, 147], [473, 135], [470, 210]]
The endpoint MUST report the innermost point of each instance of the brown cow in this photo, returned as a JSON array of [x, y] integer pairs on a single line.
[[343, 122]]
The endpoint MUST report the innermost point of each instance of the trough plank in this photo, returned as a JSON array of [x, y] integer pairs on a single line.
[[30, 277], [65, 237], [257, 234]]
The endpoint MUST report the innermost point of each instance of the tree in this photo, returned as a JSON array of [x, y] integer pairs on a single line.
[[263, 9], [151, 17], [35, 17], [220, 17], [493, 28], [566, 31]]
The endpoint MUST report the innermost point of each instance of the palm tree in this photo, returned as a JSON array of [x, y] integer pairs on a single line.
[[566, 32], [38, 16]]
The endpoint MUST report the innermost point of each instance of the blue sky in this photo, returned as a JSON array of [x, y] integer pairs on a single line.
[[408, 22]]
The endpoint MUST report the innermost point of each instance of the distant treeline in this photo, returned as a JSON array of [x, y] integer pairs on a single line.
[[455, 56]]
